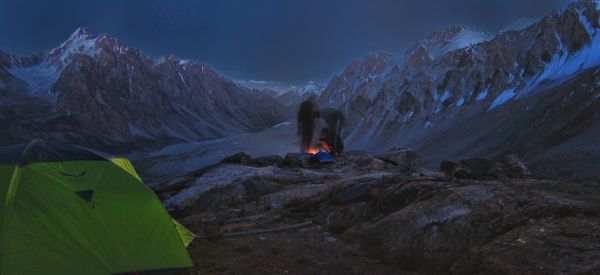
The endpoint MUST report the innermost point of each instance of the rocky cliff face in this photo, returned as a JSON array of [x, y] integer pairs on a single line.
[[129, 96], [458, 75]]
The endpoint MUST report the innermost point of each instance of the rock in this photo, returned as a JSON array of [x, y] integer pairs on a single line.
[[297, 160], [475, 169], [378, 165], [239, 158], [353, 194], [447, 167], [422, 222], [404, 159], [344, 217], [427, 237], [258, 186], [226, 182], [564, 246], [330, 240], [512, 167], [422, 172], [272, 160], [295, 196]]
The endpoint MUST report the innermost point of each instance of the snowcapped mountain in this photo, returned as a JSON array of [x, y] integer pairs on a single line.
[[132, 97], [456, 37], [298, 94], [448, 78]]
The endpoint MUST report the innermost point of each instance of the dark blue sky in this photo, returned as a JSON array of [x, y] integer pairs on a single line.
[[288, 41]]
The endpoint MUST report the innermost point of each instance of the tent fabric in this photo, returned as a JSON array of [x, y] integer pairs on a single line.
[[44, 151], [324, 157], [83, 216]]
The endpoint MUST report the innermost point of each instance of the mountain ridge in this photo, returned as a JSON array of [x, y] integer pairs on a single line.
[[132, 96]]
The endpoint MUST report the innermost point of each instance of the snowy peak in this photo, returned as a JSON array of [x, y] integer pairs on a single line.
[[440, 42], [41, 71], [81, 33], [310, 88], [82, 41], [297, 94]]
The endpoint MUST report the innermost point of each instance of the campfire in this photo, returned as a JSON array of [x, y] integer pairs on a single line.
[[321, 146]]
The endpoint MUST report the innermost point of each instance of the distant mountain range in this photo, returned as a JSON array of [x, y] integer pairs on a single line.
[[527, 90], [126, 97]]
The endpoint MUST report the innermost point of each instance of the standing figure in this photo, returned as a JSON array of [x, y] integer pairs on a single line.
[[332, 135], [306, 123]]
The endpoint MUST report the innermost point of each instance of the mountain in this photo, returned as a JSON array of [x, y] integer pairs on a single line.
[[533, 92], [298, 94], [134, 99], [457, 93], [519, 24]]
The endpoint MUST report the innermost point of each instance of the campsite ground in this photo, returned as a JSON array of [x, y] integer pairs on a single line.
[[304, 251], [383, 215]]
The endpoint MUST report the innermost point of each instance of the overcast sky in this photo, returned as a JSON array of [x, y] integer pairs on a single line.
[[286, 41]]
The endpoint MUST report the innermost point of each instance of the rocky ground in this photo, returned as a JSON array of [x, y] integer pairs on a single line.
[[384, 215]]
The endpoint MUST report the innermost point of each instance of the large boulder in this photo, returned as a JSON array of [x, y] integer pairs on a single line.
[[403, 158], [271, 160], [512, 167], [293, 196], [548, 246], [239, 158], [427, 236], [447, 167], [353, 194], [475, 169], [297, 160]]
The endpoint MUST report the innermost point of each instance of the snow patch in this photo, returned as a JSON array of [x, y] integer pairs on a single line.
[[447, 94], [482, 95], [409, 115], [130, 80], [503, 98], [460, 102], [182, 79], [158, 61], [586, 23], [465, 38], [39, 78], [565, 64], [287, 123]]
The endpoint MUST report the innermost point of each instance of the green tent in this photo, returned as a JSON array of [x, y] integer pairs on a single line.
[[68, 210]]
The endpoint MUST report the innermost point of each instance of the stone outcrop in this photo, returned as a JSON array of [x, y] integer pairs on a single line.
[[418, 221]]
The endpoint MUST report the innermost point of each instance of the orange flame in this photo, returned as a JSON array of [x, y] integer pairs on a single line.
[[320, 146]]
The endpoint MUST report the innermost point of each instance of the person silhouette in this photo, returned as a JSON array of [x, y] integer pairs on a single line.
[[306, 123]]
